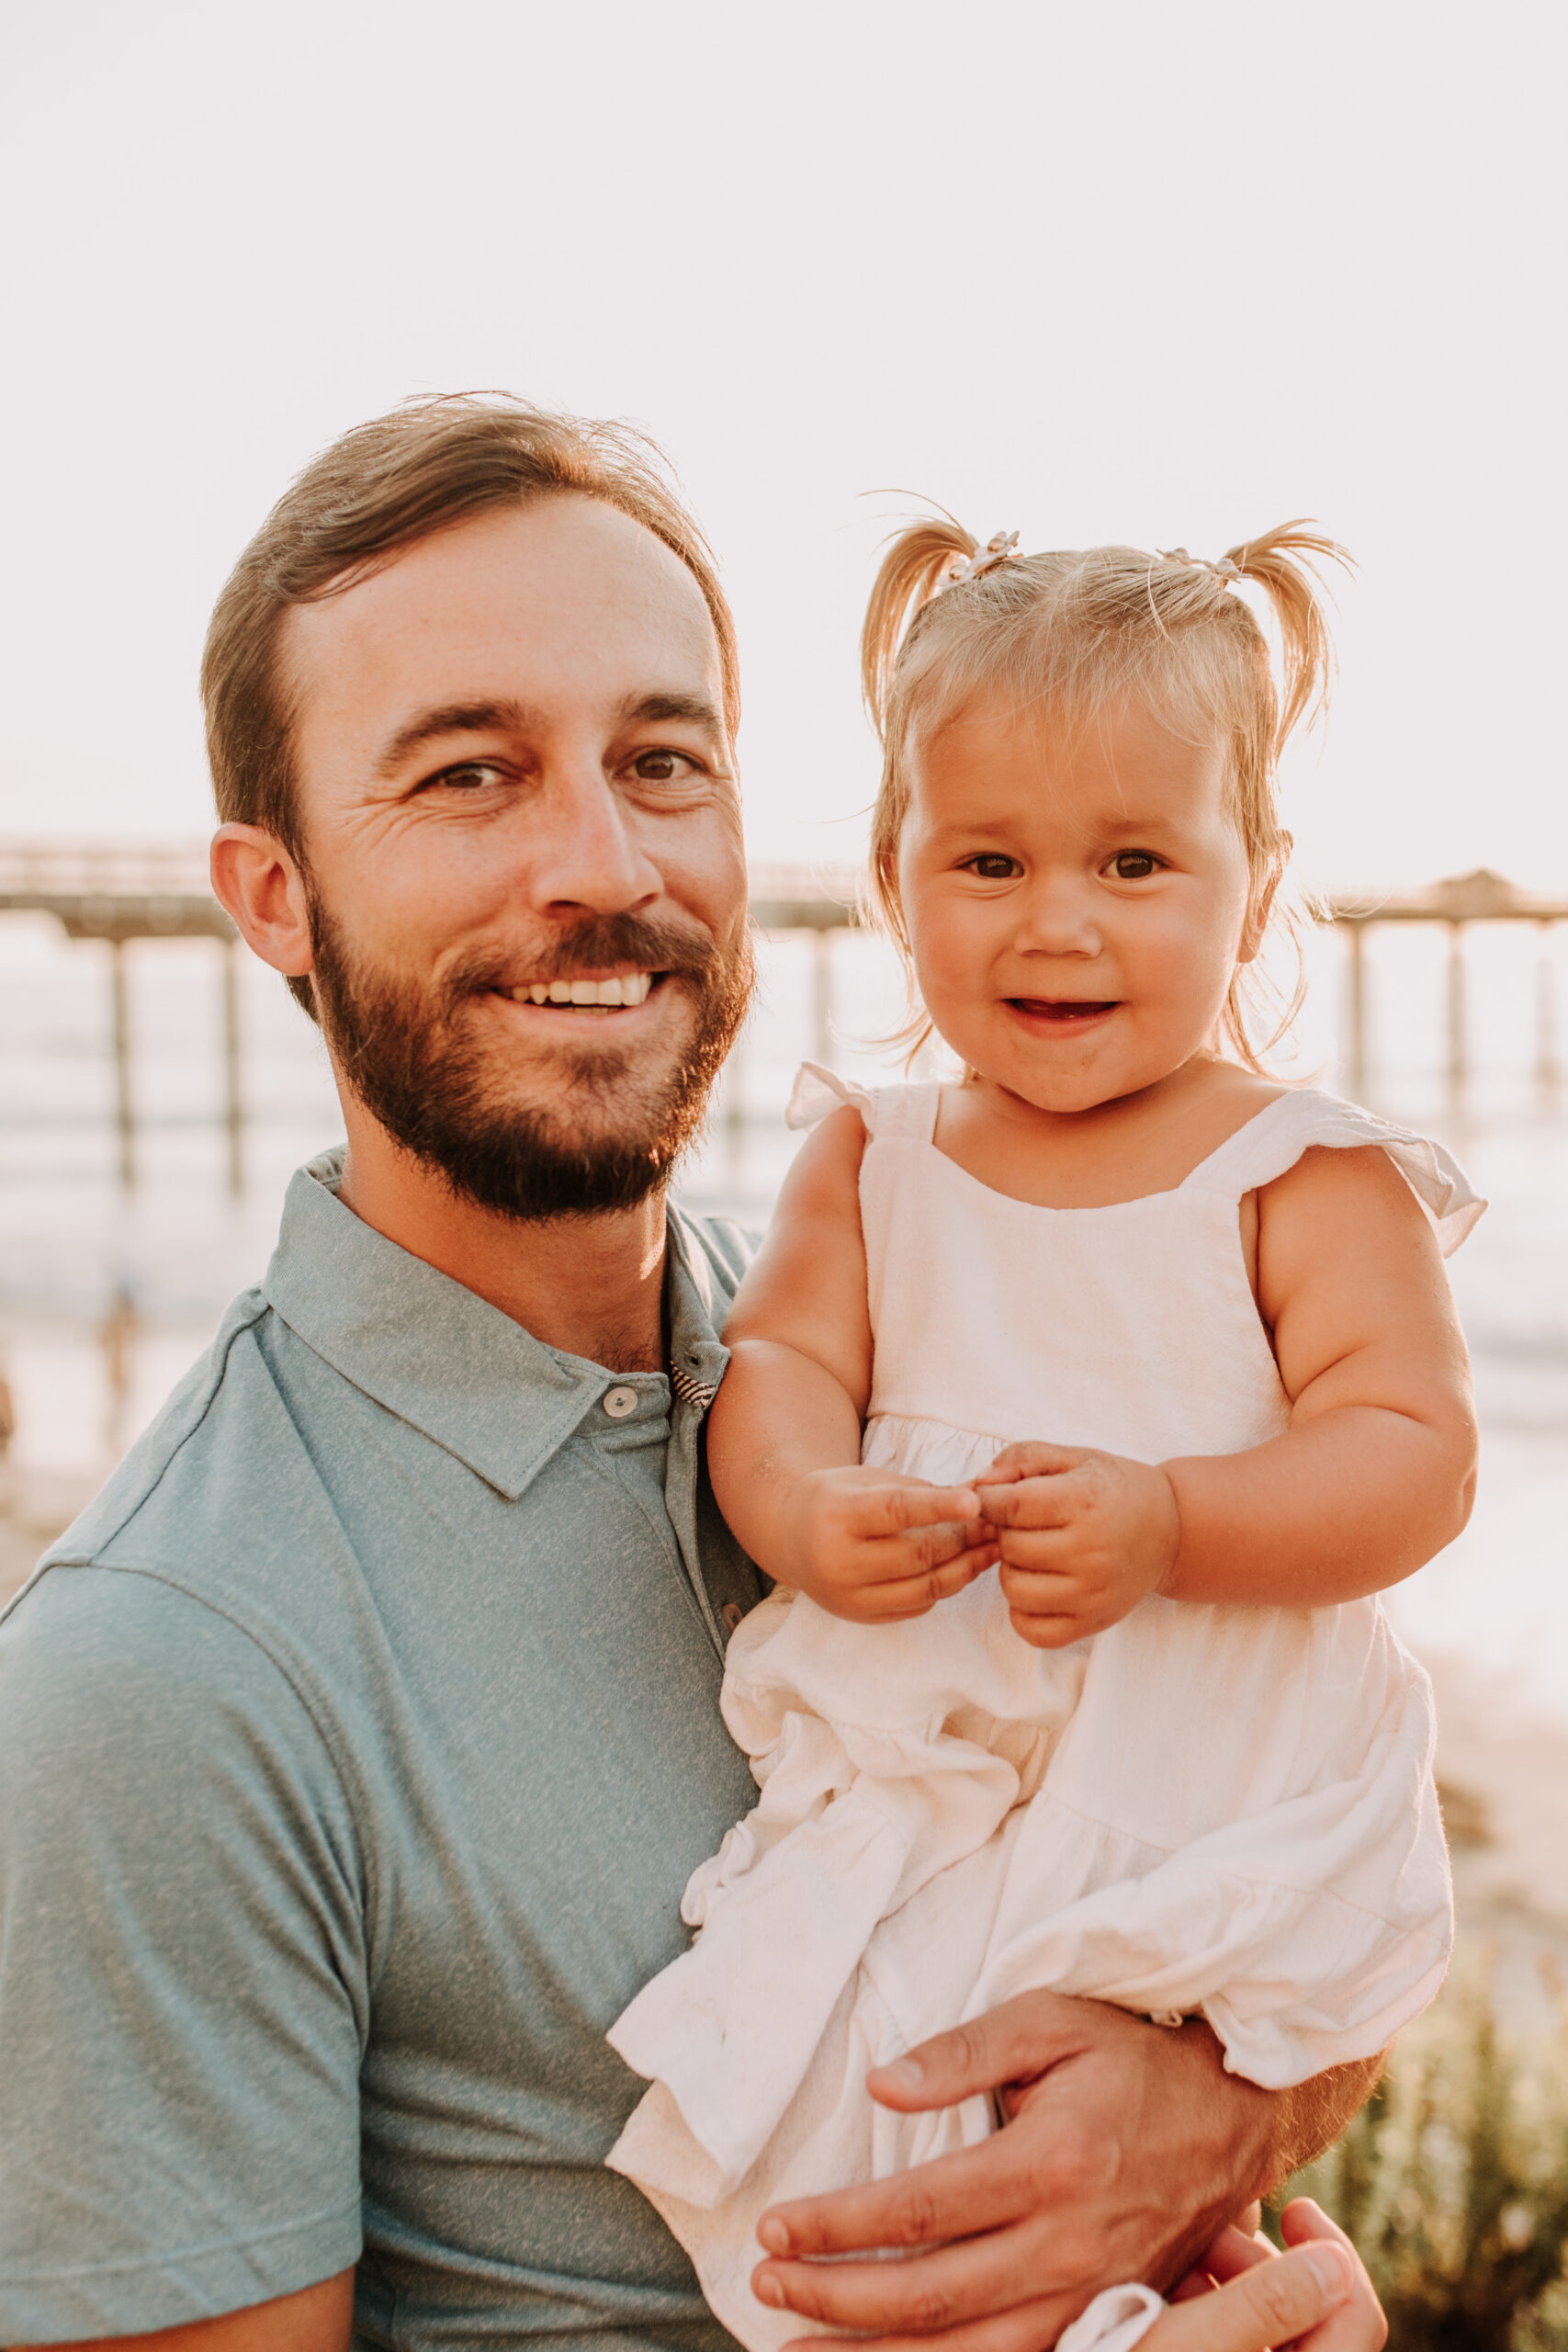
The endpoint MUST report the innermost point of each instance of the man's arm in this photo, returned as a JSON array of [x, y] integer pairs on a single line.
[[317, 2319], [1126, 2149]]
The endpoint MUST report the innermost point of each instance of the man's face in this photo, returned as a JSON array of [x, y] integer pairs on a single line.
[[523, 838]]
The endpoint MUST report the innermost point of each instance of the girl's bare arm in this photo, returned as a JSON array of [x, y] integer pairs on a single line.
[[1377, 1470], [784, 1431]]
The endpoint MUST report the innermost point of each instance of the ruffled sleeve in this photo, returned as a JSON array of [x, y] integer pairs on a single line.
[[1293, 1123], [817, 1093]]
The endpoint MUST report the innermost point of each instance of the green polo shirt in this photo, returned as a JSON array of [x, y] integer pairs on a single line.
[[355, 1746]]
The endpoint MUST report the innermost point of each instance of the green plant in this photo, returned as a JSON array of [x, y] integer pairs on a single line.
[[1453, 2183]]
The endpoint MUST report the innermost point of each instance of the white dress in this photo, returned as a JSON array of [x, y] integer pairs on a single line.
[[1206, 1809]]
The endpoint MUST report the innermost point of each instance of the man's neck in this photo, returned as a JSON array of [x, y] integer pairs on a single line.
[[592, 1286]]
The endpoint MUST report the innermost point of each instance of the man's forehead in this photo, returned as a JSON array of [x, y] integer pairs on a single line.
[[565, 600]]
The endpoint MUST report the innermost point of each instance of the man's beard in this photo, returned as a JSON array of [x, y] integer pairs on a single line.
[[414, 1063]]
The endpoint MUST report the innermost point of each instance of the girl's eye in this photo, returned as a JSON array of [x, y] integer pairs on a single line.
[[663, 767], [1133, 864], [992, 867]]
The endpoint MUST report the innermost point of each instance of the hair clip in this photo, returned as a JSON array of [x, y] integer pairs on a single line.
[[1224, 570], [997, 549]]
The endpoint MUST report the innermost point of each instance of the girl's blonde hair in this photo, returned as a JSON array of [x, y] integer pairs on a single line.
[[1092, 630]]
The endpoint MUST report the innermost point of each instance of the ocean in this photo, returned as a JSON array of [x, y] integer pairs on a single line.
[[106, 1297]]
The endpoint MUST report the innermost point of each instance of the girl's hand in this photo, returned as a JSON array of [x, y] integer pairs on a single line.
[[1083, 1537], [1244, 2298], [874, 1545]]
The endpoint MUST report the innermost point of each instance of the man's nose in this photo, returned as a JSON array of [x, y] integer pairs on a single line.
[[581, 851]]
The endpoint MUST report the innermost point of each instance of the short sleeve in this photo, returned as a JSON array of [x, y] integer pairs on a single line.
[[182, 1978], [1306, 1118], [817, 1093]]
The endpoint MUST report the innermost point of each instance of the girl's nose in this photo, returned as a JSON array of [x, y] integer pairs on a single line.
[[1058, 917]]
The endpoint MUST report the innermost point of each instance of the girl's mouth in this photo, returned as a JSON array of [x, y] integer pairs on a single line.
[[1064, 1011]]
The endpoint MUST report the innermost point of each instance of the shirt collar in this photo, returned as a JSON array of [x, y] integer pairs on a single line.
[[440, 1357]]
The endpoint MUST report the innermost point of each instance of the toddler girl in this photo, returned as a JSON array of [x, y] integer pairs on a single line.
[[1077, 1408]]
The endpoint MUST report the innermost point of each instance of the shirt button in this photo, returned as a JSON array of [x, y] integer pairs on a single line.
[[730, 1615], [619, 1402]]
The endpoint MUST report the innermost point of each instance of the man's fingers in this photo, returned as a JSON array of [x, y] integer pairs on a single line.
[[925, 2296], [1272, 2303], [1235, 2251], [1024, 2327], [1015, 2043], [1032, 2326], [952, 2197], [1360, 2324]]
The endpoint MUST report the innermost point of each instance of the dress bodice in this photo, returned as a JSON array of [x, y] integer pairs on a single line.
[[1132, 1328]]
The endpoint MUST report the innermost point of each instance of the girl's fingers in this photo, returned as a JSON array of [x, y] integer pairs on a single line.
[[892, 1510], [1043, 1591], [1046, 1633], [912, 1596], [1032, 1459], [1033, 1583], [1032, 1501]]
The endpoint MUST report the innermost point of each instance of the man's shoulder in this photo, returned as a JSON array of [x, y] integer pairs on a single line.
[[718, 1249], [219, 1497]]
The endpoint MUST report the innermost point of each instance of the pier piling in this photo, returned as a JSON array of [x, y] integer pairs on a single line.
[[124, 1104], [162, 892]]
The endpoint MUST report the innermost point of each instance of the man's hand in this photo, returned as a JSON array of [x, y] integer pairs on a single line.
[[1244, 2298], [877, 1545], [1126, 2149], [1083, 1536]]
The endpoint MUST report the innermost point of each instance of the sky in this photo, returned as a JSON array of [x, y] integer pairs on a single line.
[[1147, 273]]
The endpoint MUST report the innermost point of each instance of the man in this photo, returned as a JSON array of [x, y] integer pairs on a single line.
[[357, 1742]]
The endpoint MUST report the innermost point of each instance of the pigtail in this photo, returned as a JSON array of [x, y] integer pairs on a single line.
[[1284, 564], [910, 575]]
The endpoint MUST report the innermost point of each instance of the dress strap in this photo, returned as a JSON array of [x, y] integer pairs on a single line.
[[908, 1113], [1275, 1140]]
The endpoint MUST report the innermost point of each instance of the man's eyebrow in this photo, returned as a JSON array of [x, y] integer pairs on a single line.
[[671, 703], [490, 717], [451, 718]]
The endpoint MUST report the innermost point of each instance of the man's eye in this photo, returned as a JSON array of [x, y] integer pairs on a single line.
[[471, 776], [992, 867], [1134, 865], [663, 768]]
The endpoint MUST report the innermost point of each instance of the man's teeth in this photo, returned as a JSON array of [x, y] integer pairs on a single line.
[[627, 988]]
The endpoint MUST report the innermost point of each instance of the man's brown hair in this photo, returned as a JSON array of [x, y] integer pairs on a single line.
[[381, 489]]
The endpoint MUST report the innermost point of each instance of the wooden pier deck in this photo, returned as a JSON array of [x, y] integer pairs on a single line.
[[116, 892]]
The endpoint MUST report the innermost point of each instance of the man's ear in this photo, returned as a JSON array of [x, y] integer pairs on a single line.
[[262, 891]]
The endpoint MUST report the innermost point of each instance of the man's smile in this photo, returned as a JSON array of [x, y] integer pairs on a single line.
[[586, 991]]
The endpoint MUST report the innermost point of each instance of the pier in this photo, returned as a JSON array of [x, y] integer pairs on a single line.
[[1464, 899], [116, 893]]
